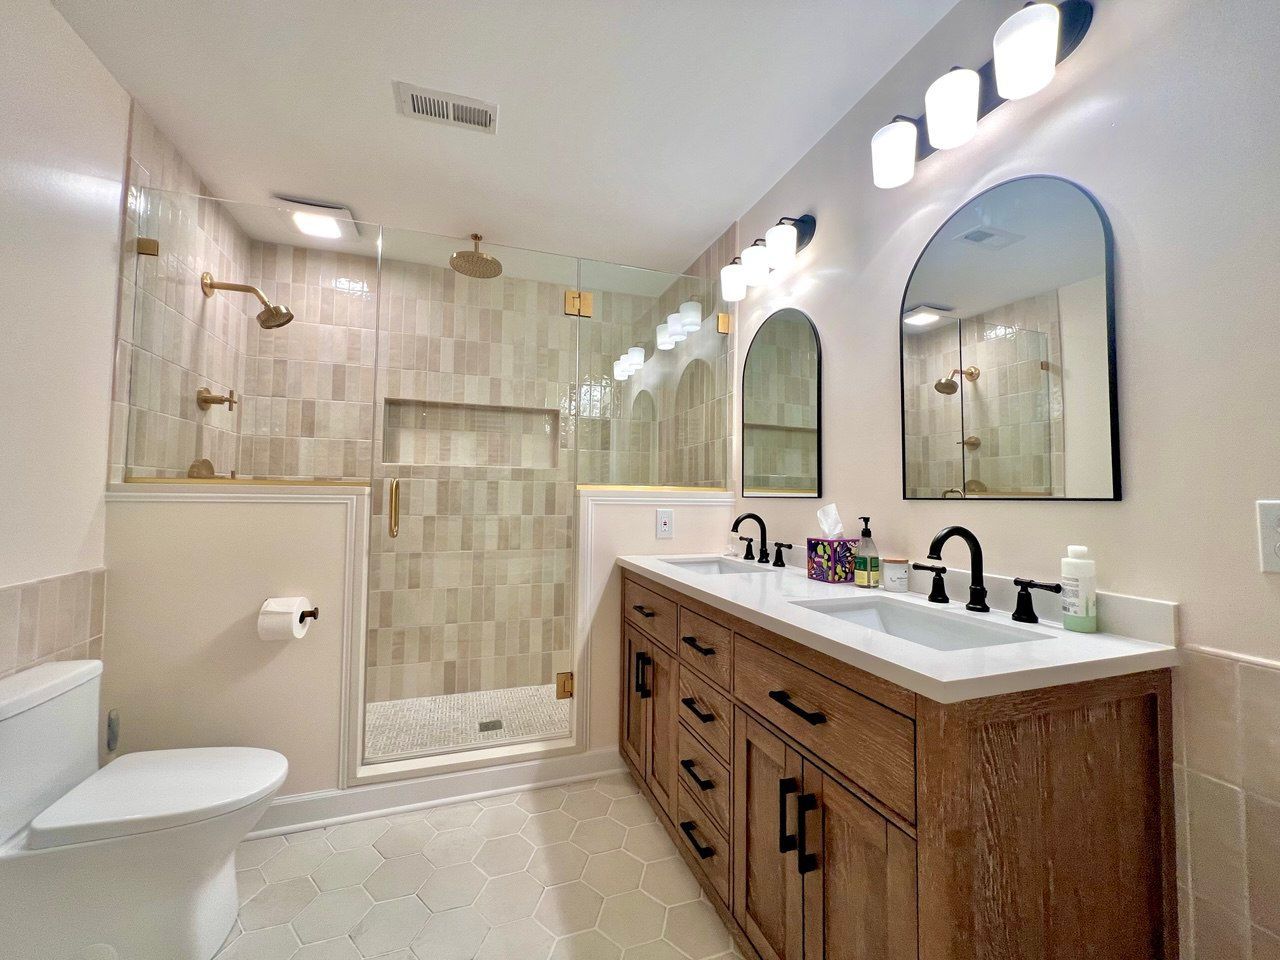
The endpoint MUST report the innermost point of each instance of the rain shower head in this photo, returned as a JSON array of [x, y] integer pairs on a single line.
[[948, 385], [269, 318], [473, 263]]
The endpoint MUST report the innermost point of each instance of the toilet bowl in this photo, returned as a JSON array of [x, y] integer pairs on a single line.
[[130, 862]]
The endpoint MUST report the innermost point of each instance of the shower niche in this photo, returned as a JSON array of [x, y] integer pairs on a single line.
[[470, 435]]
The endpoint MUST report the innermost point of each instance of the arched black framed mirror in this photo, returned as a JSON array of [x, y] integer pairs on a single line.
[[1009, 351], [782, 409]]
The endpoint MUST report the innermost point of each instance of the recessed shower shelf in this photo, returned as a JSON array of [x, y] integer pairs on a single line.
[[427, 433]]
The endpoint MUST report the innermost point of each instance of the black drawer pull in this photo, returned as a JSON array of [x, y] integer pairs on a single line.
[[688, 827], [693, 642], [692, 706], [805, 862], [786, 787], [642, 661], [644, 612], [693, 775], [814, 717]]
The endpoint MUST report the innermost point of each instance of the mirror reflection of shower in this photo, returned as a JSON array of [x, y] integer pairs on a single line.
[[269, 318], [948, 385]]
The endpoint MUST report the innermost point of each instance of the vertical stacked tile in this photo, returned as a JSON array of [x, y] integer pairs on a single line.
[[59, 618]]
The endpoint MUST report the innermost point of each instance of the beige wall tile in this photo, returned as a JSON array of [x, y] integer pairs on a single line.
[[1217, 842], [1219, 935], [1260, 729], [1262, 828], [1211, 708]]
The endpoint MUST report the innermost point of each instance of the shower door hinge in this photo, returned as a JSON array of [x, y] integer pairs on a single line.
[[564, 685], [147, 247], [577, 303]]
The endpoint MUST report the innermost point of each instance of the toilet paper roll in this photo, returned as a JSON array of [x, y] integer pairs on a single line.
[[281, 619]]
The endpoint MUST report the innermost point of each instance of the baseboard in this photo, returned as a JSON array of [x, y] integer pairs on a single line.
[[324, 808]]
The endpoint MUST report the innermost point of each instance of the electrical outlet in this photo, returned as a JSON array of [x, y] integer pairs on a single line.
[[1269, 535], [666, 524]]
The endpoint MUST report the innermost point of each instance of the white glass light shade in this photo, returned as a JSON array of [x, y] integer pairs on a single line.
[[780, 240], [755, 264], [691, 315], [893, 154], [733, 283], [620, 370], [635, 357], [662, 337], [675, 328], [317, 225], [1026, 48], [951, 109]]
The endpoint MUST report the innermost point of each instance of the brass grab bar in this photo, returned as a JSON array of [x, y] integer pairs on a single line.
[[393, 509]]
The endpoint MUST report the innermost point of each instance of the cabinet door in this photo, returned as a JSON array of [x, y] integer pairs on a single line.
[[635, 693], [766, 883], [859, 877], [660, 771]]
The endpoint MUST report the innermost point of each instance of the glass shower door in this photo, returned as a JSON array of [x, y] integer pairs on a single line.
[[472, 529]]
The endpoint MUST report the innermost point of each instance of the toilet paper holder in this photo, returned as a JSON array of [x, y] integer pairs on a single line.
[[312, 614]]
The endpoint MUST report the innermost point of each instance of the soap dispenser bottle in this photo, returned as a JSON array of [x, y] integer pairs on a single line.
[[1079, 591], [866, 565]]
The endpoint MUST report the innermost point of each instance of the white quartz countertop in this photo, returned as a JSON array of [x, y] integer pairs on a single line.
[[1055, 657]]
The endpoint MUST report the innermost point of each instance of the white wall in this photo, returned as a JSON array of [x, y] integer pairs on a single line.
[[1086, 391], [65, 123], [1167, 113]]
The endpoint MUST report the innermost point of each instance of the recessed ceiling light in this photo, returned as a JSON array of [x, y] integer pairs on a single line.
[[923, 315], [319, 219], [317, 225]]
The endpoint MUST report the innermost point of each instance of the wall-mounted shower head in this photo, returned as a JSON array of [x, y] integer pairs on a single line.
[[269, 318], [948, 385], [473, 263]]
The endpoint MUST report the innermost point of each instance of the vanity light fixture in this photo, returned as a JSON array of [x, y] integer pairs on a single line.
[[755, 264], [635, 357], [662, 337], [1026, 51], [788, 237], [951, 108], [316, 218], [691, 316], [733, 281], [893, 153], [1027, 48], [675, 328], [620, 371]]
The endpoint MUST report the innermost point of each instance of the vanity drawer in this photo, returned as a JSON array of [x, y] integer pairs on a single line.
[[704, 840], [707, 712], [654, 614], [706, 646], [705, 777], [867, 742]]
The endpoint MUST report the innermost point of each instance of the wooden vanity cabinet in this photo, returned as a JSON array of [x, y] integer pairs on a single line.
[[867, 823]]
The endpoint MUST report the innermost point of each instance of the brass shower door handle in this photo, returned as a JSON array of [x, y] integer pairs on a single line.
[[393, 509]]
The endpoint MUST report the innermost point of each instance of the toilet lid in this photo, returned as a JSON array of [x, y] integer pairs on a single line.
[[158, 789]]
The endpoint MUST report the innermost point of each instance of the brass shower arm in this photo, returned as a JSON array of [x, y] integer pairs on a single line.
[[208, 285]]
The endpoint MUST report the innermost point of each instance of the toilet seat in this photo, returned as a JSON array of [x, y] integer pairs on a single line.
[[158, 789]]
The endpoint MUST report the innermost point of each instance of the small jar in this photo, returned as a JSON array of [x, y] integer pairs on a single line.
[[893, 575]]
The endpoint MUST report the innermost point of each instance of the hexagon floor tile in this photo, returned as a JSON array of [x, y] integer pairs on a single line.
[[575, 872]]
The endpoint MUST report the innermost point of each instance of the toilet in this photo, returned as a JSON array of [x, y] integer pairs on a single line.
[[133, 861]]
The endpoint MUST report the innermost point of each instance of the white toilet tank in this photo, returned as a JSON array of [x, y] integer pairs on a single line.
[[48, 737]]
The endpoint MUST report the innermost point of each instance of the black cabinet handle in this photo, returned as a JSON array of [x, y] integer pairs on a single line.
[[693, 775], [692, 706], [786, 787], [814, 717], [687, 827], [647, 614], [805, 862], [642, 661], [637, 672], [693, 642]]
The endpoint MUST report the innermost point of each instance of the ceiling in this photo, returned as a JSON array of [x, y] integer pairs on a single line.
[[631, 132]]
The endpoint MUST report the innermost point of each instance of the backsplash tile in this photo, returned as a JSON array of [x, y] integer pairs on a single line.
[[58, 618]]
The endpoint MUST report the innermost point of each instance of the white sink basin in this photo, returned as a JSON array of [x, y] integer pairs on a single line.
[[939, 629], [718, 565]]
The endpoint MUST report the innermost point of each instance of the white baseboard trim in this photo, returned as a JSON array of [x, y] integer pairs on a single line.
[[324, 808]]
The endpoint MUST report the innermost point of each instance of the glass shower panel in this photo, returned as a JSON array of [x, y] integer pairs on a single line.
[[213, 385], [471, 550], [667, 423], [1009, 420]]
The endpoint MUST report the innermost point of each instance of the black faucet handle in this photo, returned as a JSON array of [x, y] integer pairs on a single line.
[[778, 547], [1025, 610], [750, 554], [938, 591]]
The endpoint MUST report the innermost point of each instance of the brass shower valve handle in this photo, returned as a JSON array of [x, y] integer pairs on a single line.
[[206, 398]]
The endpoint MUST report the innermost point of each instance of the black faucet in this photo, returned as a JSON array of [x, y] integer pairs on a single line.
[[977, 589], [764, 538]]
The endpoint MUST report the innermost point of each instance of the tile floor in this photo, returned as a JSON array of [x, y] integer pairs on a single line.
[[580, 872], [420, 725]]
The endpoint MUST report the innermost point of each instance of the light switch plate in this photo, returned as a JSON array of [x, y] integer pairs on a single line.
[[665, 524], [1269, 535]]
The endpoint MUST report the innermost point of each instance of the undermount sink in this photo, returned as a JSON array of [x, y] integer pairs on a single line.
[[936, 629], [717, 565]]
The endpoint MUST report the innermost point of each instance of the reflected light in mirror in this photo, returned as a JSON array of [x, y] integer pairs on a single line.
[[1026, 51], [662, 336], [675, 328], [620, 370], [635, 357], [755, 265], [780, 242], [893, 154], [921, 316], [691, 316], [951, 108]]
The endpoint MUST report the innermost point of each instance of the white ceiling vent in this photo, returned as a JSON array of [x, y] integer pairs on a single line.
[[990, 238], [441, 107]]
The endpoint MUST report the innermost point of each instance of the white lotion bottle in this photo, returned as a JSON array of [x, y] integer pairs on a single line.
[[1079, 591]]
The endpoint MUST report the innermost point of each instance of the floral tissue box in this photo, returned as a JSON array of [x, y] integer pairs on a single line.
[[831, 561]]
